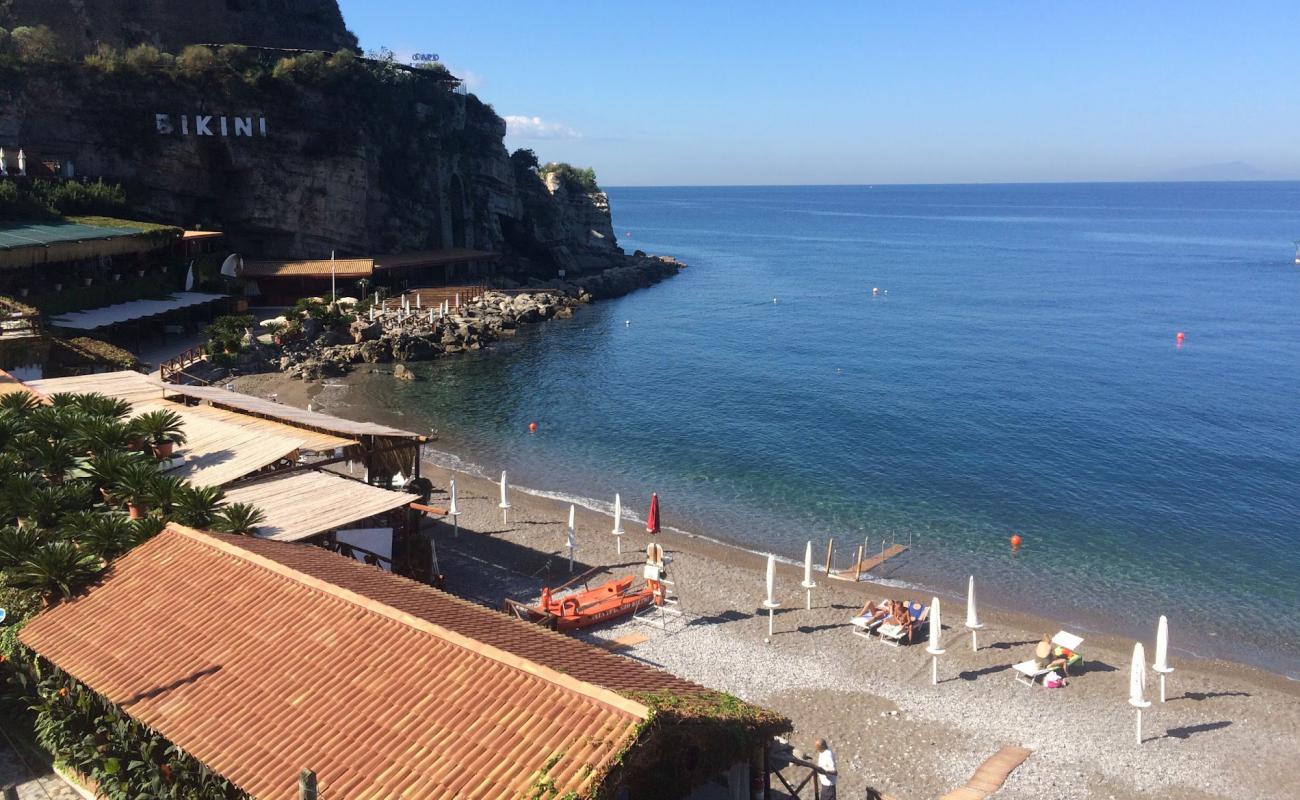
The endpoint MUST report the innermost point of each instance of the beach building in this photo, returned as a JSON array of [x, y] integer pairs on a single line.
[[265, 659], [282, 282], [318, 478]]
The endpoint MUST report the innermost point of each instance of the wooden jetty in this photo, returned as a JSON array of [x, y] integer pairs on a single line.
[[991, 774], [864, 564]]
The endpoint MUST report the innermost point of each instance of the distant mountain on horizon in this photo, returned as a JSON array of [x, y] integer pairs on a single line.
[[1224, 171]]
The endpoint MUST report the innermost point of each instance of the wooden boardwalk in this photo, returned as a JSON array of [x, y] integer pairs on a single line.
[[869, 563], [991, 774]]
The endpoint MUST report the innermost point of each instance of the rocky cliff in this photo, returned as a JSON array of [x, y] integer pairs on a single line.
[[172, 24], [297, 156]]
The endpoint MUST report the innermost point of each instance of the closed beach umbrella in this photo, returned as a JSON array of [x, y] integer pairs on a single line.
[[618, 523], [1162, 654], [808, 583], [504, 505], [972, 615], [570, 536], [1137, 685], [189, 278], [770, 603], [453, 510], [652, 519], [936, 640]]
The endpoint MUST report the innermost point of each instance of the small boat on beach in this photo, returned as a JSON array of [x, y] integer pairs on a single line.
[[582, 608]]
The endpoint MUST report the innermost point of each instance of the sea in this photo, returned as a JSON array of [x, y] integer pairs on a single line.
[[942, 367]]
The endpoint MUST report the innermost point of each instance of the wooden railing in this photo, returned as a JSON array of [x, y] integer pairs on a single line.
[[173, 368], [433, 296]]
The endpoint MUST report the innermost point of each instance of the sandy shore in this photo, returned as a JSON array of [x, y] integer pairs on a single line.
[[1227, 731]]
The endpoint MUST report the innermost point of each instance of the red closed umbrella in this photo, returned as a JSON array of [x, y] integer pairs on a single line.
[[652, 519]]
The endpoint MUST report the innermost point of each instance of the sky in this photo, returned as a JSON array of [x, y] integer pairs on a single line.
[[863, 91]]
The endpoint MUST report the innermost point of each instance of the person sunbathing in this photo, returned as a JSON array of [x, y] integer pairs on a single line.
[[874, 613], [902, 617]]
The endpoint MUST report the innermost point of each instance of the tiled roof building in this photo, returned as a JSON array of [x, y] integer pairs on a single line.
[[261, 658]]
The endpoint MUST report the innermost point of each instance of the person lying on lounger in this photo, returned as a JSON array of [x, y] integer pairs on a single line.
[[874, 613]]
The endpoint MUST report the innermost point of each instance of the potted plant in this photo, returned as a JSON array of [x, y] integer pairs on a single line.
[[162, 429], [240, 518], [106, 469], [135, 487], [198, 506]]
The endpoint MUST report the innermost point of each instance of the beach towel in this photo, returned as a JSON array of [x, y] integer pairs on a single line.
[[1053, 680]]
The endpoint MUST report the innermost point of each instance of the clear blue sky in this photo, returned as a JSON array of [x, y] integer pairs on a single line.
[[862, 91]]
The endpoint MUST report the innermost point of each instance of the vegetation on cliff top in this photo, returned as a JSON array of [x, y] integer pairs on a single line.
[[581, 178], [44, 199]]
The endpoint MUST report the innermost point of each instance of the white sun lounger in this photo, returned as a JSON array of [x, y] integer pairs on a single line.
[[894, 634], [1027, 672], [861, 628]]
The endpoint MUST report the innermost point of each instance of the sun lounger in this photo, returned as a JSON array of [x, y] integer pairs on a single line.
[[1028, 672], [895, 634], [861, 627]]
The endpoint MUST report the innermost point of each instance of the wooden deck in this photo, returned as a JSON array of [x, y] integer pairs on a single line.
[[991, 774], [869, 563]]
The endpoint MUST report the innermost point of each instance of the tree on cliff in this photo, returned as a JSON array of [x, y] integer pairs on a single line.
[[524, 160], [581, 178]]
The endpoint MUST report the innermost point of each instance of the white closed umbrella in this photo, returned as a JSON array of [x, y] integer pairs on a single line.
[[1137, 685], [570, 536], [808, 583], [504, 505], [1162, 654], [936, 640], [770, 603], [453, 510], [618, 523], [189, 278], [972, 615]]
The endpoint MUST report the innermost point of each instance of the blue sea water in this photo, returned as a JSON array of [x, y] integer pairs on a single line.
[[1016, 373]]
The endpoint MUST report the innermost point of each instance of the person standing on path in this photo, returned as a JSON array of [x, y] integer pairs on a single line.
[[828, 775]]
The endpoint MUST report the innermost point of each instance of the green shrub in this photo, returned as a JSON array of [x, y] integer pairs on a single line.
[[580, 178], [144, 58], [197, 61]]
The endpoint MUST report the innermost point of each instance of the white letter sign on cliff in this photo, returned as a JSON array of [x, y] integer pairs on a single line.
[[211, 125]]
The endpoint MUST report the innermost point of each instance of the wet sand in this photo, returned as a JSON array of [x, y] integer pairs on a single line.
[[1227, 730]]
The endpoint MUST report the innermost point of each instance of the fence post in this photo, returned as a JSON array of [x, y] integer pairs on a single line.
[[830, 543], [306, 785], [857, 571]]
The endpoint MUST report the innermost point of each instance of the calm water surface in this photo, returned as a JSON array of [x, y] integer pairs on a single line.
[[1017, 373]]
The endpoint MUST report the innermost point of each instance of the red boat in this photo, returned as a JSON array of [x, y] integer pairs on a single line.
[[591, 606]]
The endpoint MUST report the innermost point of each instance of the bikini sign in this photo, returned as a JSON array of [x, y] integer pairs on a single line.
[[209, 125]]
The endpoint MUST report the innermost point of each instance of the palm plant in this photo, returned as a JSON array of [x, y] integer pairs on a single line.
[[197, 506], [18, 544], [148, 527], [167, 492], [54, 423], [15, 492], [105, 469], [18, 403], [45, 506], [98, 435], [241, 518], [56, 567], [55, 458], [162, 428], [106, 535], [99, 405], [135, 486]]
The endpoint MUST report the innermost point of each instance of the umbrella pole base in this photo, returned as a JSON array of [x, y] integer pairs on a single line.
[[809, 601], [1162, 688], [974, 642], [934, 670], [1139, 726]]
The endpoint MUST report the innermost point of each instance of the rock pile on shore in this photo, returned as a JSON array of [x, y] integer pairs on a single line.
[[421, 335]]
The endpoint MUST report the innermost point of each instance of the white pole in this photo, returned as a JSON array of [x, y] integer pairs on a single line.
[[972, 615], [504, 505], [936, 644], [1162, 654], [618, 523], [418, 300], [454, 510], [570, 537], [334, 292], [770, 603], [1137, 685], [808, 583]]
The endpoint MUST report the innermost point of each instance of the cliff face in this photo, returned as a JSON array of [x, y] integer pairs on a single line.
[[172, 24], [329, 155]]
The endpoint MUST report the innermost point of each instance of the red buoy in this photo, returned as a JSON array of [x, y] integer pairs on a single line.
[[1179, 337], [532, 427], [1015, 541]]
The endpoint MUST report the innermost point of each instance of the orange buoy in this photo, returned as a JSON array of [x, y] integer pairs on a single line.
[[1179, 337], [1015, 541], [532, 427]]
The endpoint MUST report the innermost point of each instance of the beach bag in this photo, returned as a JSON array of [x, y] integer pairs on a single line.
[[1053, 680]]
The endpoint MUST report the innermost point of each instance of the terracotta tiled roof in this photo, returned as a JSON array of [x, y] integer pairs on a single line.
[[560, 652], [258, 669]]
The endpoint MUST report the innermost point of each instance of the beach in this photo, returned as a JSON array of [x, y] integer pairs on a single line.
[[1227, 730]]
